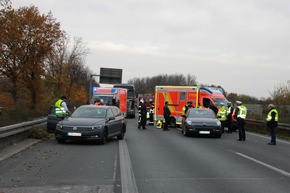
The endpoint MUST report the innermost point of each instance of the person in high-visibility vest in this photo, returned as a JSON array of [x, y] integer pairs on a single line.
[[222, 116], [272, 123], [240, 115], [61, 106]]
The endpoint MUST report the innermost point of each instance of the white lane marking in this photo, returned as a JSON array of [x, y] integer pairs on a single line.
[[267, 137], [287, 174], [127, 175]]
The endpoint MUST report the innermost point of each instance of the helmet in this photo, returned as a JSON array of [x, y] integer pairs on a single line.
[[150, 100], [238, 102], [141, 101]]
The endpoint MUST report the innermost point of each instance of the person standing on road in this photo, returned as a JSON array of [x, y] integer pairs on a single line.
[[166, 115], [229, 116], [240, 115], [272, 123], [62, 106], [151, 112], [142, 109], [222, 116]]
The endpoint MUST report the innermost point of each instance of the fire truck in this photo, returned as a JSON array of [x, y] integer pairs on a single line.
[[111, 96], [178, 96]]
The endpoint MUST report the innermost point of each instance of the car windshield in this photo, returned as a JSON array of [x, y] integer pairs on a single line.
[[201, 113], [218, 101], [89, 112]]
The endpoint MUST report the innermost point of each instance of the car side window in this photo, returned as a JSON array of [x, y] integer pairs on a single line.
[[110, 113], [117, 112]]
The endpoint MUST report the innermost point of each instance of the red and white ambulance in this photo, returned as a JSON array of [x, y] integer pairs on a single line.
[[178, 96]]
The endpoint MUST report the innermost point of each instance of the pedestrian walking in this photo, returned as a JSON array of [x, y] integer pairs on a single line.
[[166, 115], [240, 115], [272, 123]]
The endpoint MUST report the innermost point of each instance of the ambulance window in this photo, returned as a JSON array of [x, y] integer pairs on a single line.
[[206, 102], [182, 96]]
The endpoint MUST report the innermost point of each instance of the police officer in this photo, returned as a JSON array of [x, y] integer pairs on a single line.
[[240, 115], [229, 116], [186, 107], [61, 106], [151, 112], [222, 116], [272, 123]]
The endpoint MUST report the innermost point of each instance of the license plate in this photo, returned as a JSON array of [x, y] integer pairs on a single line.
[[204, 132], [74, 134]]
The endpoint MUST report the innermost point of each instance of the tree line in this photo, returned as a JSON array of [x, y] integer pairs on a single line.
[[39, 62]]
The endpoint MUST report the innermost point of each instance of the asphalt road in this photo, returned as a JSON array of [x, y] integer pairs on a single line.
[[150, 161]]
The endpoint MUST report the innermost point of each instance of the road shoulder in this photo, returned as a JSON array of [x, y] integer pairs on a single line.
[[16, 148]]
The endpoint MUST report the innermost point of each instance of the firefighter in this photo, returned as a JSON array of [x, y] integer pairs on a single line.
[[272, 123], [240, 115], [222, 116], [151, 112], [62, 106], [142, 110], [229, 116]]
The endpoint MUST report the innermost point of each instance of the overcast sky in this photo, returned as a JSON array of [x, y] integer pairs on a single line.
[[241, 45]]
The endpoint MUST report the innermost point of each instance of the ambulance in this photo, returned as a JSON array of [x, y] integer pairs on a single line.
[[178, 96], [111, 96]]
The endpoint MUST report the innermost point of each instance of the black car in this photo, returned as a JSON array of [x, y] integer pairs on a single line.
[[90, 122], [201, 121]]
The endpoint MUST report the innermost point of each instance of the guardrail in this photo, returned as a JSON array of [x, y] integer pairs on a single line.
[[17, 132], [280, 125]]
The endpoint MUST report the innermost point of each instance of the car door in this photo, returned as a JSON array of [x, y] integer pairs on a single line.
[[53, 119], [111, 123]]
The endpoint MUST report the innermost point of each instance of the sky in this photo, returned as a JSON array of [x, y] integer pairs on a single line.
[[241, 45]]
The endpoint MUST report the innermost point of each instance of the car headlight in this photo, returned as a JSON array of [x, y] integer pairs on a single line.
[[189, 122], [97, 127], [58, 126], [218, 123]]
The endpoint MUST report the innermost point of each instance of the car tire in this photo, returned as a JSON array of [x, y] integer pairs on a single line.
[[218, 135], [60, 140], [172, 122], [185, 132], [104, 139], [122, 134]]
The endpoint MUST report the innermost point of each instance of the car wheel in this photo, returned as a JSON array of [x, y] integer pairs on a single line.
[[218, 135], [185, 132], [60, 140], [122, 134], [104, 137], [172, 122]]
